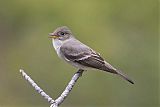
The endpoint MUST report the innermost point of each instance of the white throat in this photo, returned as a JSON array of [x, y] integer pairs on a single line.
[[57, 44]]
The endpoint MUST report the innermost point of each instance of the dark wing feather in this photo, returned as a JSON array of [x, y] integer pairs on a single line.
[[92, 62], [87, 57], [84, 56]]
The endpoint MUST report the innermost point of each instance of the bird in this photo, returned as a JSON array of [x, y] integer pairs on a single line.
[[80, 55]]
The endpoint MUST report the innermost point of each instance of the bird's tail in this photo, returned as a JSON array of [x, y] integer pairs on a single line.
[[118, 72], [124, 76]]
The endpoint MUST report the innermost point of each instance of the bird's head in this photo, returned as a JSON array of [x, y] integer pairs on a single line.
[[62, 33]]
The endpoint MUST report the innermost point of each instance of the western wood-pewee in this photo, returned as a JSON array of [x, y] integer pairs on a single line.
[[78, 54]]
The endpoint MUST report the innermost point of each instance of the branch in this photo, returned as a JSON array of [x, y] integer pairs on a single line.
[[61, 98]]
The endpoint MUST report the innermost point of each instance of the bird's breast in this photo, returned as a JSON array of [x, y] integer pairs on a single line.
[[57, 44]]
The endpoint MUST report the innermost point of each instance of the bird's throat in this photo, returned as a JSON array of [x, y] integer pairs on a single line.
[[56, 43]]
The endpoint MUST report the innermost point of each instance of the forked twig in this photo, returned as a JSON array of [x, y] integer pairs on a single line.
[[60, 99]]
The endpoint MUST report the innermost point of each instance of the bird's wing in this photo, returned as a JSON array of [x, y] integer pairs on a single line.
[[82, 54]]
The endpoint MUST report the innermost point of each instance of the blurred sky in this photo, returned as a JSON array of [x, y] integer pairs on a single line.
[[125, 32]]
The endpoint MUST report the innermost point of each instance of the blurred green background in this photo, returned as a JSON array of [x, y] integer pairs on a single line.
[[125, 32]]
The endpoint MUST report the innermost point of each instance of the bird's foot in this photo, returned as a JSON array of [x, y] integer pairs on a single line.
[[80, 72]]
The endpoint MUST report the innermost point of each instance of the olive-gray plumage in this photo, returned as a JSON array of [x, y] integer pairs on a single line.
[[78, 54]]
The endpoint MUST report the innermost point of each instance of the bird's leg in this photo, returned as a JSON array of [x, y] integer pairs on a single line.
[[80, 72]]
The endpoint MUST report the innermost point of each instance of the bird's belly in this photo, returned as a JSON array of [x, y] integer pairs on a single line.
[[76, 65], [57, 45], [79, 66]]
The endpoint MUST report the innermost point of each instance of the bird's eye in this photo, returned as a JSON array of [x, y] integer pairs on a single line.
[[62, 33]]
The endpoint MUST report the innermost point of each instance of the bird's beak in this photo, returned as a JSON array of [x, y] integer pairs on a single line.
[[52, 35]]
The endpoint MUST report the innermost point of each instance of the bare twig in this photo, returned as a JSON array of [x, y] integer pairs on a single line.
[[69, 87], [36, 87], [60, 99]]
